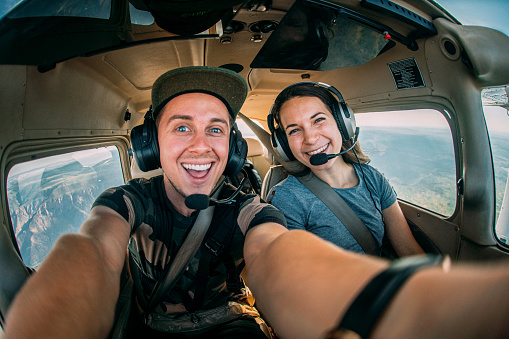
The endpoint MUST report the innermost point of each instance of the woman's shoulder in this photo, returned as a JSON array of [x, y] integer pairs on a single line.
[[289, 183], [368, 169], [290, 186]]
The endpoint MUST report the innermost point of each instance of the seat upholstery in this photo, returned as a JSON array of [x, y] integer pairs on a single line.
[[256, 153], [274, 175], [136, 172]]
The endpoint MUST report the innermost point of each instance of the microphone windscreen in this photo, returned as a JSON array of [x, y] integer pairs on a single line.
[[318, 159], [197, 201]]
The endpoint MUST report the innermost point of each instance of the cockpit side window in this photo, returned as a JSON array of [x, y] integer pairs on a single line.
[[414, 150], [495, 106], [62, 8], [51, 196]]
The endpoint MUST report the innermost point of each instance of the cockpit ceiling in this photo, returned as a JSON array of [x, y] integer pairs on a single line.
[[313, 35]]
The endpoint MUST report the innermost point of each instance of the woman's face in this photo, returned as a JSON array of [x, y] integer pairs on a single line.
[[311, 129]]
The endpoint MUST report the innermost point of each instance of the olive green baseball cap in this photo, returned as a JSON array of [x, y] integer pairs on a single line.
[[226, 85]]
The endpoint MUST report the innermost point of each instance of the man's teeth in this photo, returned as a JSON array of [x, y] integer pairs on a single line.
[[321, 149], [197, 167]]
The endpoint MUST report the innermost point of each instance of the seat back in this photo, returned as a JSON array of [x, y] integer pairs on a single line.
[[257, 154], [274, 175], [136, 172]]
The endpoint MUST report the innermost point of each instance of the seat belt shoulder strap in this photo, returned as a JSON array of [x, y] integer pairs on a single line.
[[343, 212]]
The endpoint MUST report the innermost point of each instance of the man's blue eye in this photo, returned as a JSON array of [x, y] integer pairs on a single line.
[[182, 129], [215, 130]]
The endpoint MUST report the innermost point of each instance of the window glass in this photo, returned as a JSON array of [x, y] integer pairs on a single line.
[[99, 9], [140, 17], [414, 150], [497, 120], [52, 196], [7, 5]]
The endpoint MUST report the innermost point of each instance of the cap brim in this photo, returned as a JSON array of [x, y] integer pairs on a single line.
[[224, 83]]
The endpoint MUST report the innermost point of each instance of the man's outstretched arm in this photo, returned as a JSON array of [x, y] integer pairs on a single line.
[[74, 292], [303, 285], [293, 276]]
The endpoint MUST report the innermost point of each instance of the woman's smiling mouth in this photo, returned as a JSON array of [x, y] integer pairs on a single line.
[[319, 150]]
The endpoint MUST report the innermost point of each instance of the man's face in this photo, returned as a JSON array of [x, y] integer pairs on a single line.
[[193, 135]]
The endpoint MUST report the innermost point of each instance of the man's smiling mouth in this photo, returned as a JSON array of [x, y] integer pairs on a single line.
[[320, 150], [197, 171], [196, 167]]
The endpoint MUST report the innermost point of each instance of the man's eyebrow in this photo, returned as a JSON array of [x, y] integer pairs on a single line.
[[180, 116], [188, 117], [223, 121]]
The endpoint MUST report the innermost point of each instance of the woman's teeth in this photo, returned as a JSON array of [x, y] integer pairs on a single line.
[[321, 149]]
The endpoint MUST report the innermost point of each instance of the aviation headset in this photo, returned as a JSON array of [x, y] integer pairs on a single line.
[[342, 113], [146, 148]]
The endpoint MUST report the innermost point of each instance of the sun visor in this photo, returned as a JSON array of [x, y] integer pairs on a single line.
[[321, 35], [316, 38]]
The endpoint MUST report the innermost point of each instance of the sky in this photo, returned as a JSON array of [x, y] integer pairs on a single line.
[[490, 13]]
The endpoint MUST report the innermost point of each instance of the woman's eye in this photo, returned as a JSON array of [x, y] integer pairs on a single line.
[[292, 131], [319, 119], [182, 129]]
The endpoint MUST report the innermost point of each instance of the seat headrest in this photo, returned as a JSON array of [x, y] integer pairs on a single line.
[[254, 147]]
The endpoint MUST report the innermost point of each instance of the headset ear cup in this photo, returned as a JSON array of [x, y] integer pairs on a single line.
[[237, 153], [282, 146], [145, 146], [345, 120], [278, 138], [348, 119]]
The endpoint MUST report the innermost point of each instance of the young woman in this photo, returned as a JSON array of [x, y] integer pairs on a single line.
[[312, 118]]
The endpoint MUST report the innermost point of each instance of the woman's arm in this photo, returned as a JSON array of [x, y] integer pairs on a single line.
[[74, 292], [399, 232]]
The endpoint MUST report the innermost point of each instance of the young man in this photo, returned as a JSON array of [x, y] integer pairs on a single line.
[[75, 290]]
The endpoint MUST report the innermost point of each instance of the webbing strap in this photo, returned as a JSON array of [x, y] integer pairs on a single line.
[[183, 257], [341, 209], [217, 241]]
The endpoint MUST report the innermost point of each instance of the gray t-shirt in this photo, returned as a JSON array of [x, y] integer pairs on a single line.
[[303, 210]]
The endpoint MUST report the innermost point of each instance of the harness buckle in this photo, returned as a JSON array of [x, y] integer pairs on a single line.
[[214, 246], [194, 318]]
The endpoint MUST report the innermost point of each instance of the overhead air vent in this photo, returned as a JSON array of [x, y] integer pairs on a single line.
[[234, 26], [450, 47], [264, 26]]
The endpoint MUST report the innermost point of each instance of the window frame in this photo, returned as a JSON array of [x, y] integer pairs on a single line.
[[497, 100], [445, 108], [29, 150]]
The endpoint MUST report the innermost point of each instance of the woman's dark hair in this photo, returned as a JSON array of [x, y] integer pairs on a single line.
[[311, 90]]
